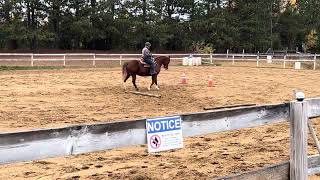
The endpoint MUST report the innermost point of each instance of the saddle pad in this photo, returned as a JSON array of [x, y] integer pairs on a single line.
[[144, 64]]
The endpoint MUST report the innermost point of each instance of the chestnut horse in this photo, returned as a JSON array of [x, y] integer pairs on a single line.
[[134, 68]]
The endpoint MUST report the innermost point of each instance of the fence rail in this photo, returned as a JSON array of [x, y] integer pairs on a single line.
[[45, 143], [211, 58], [279, 171]]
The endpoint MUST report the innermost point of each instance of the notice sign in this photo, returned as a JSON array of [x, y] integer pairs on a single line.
[[164, 134]]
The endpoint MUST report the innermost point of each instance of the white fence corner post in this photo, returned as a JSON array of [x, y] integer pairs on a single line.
[[242, 53], [227, 53], [32, 60], [298, 139], [211, 58]]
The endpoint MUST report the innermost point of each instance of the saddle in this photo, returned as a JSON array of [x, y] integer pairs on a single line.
[[144, 64]]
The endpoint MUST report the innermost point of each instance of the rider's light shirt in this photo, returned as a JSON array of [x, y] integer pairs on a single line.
[[146, 52]]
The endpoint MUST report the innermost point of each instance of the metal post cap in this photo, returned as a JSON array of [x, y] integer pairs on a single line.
[[300, 96]]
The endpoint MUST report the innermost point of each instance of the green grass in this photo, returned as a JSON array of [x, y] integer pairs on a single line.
[[14, 68]]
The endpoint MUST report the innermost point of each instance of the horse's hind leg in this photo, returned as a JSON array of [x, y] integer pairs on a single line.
[[124, 81], [134, 77]]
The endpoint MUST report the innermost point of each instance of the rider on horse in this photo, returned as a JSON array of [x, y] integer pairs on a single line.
[[148, 58]]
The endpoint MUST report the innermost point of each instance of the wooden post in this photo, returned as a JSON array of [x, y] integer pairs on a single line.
[[94, 60], [211, 58], [298, 140], [227, 53], [32, 60], [145, 94], [120, 60], [242, 53], [64, 60], [233, 60], [284, 61]]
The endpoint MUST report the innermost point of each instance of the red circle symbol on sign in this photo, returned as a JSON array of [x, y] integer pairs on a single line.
[[155, 141]]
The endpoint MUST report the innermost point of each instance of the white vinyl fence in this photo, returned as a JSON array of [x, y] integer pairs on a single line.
[[206, 58]]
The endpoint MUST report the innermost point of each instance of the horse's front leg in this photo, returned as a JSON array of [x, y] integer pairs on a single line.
[[153, 81], [156, 82]]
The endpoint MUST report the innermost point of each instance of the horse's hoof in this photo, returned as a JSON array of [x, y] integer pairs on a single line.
[[157, 87], [149, 88]]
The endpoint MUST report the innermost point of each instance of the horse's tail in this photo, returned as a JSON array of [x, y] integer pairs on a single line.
[[124, 71]]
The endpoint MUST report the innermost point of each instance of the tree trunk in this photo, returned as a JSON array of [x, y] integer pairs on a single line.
[[56, 21], [34, 26], [93, 20], [144, 11], [7, 8]]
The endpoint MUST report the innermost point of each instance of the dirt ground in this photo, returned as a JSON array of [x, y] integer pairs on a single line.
[[56, 98]]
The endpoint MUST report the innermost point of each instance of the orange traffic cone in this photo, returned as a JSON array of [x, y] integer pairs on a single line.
[[210, 81], [183, 79]]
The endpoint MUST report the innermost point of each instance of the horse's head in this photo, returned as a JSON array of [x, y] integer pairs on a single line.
[[163, 60], [166, 62]]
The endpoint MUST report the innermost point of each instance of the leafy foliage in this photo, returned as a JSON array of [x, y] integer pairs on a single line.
[[178, 25]]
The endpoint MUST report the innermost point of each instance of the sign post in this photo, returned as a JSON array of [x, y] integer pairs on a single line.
[[164, 134]]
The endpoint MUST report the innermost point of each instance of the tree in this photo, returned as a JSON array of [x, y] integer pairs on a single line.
[[168, 24]]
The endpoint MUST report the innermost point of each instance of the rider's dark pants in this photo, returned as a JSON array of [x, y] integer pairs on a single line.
[[153, 65]]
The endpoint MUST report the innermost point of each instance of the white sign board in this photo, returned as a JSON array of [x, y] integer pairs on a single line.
[[164, 134]]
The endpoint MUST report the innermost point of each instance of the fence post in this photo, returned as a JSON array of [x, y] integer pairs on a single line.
[[64, 60], [298, 139], [314, 61], [211, 58], [32, 60], [258, 58], [284, 61], [227, 53], [94, 60], [242, 53], [120, 60], [233, 60]]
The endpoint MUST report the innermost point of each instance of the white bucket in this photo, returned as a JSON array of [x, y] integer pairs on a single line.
[[269, 59], [199, 61], [190, 61], [185, 61], [297, 65], [194, 61]]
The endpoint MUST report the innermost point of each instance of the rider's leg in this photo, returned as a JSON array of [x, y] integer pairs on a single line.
[[152, 65], [153, 70]]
